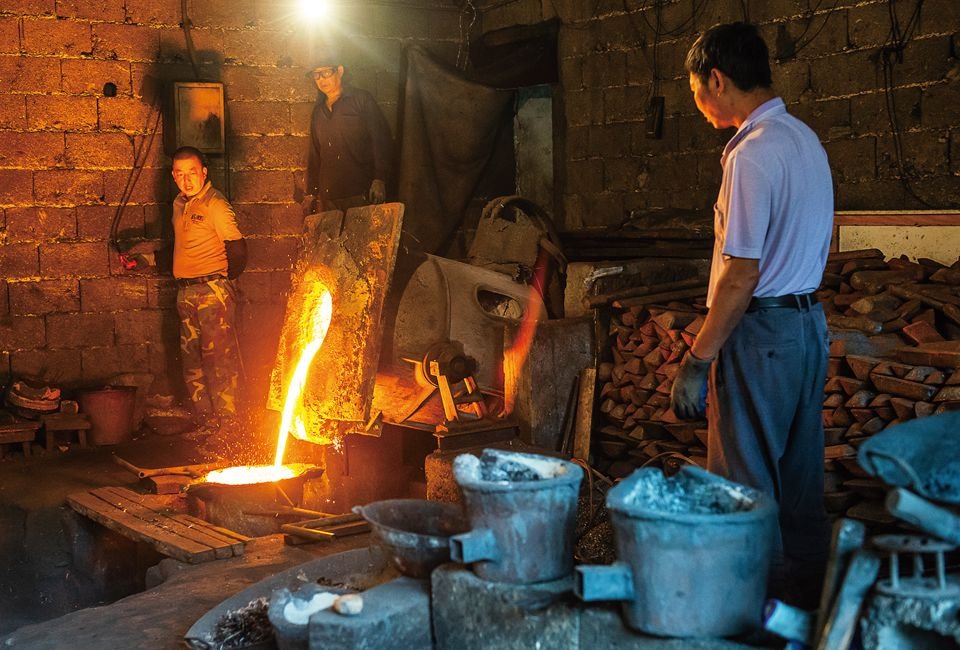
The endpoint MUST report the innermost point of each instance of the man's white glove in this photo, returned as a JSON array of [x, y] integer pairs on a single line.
[[378, 191]]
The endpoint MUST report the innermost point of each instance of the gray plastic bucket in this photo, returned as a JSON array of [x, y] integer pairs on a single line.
[[693, 554], [522, 510]]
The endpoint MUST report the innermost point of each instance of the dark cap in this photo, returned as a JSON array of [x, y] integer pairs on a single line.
[[325, 57]]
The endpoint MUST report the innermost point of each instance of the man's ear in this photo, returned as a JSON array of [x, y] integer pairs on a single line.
[[719, 79]]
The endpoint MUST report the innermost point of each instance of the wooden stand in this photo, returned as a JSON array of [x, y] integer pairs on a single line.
[[23, 432], [64, 422]]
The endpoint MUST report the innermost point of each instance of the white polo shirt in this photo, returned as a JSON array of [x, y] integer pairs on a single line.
[[775, 203]]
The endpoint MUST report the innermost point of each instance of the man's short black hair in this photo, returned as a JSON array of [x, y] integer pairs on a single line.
[[187, 151], [735, 49]]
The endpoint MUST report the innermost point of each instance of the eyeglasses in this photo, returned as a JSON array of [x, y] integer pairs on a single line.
[[325, 73]]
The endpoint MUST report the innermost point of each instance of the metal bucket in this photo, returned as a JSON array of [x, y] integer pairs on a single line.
[[414, 533], [693, 554], [110, 411], [522, 510], [250, 509]]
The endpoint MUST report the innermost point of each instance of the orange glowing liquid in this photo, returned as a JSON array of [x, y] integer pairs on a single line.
[[246, 474], [315, 331]]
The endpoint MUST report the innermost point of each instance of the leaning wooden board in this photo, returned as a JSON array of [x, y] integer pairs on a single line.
[[142, 518]]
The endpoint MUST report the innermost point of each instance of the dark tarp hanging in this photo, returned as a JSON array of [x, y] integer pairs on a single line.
[[449, 130]]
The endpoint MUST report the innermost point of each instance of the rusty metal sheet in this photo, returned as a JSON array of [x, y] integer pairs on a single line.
[[354, 256]]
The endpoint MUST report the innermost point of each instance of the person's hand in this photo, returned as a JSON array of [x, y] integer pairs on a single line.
[[309, 205], [136, 261], [688, 387], [378, 191]]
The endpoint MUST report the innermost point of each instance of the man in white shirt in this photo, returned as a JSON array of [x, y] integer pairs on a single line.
[[764, 343]]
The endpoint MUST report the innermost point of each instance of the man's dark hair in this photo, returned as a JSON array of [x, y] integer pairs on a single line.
[[735, 49], [187, 151]]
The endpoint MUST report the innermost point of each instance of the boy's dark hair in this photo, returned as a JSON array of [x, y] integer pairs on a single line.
[[735, 49], [187, 151]]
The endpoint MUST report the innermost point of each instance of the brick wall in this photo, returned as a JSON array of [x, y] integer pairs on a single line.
[[68, 314], [834, 82]]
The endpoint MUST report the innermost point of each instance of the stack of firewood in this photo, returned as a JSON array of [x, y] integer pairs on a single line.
[[647, 343], [894, 356]]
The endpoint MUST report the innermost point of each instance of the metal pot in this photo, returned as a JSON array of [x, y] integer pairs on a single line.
[[414, 533], [252, 508]]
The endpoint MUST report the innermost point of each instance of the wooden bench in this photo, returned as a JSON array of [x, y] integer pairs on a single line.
[[69, 422], [18, 432], [148, 518]]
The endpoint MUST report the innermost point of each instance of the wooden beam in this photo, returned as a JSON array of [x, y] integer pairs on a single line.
[[584, 422]]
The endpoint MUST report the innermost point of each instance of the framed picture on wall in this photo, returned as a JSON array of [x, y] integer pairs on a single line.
[[198, 113]]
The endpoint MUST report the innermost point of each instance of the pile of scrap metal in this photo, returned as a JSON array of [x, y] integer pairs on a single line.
[[906, 608]]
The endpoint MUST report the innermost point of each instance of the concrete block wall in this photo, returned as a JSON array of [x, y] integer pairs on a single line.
[[834, 81], [68, 313]]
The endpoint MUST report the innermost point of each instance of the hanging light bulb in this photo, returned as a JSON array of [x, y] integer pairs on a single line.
[[315, 10]]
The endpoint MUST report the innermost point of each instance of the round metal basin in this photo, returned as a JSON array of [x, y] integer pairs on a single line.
[[414, 533], [250, 509]]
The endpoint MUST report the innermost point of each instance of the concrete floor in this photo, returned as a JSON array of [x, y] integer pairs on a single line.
[[53, 596], [41, 580]]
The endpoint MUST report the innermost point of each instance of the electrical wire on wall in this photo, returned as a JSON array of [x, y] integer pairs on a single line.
[[187, 25], [799, 43], [140, 154], [659, 31], [463, 47], [891, 54], [656, 102]]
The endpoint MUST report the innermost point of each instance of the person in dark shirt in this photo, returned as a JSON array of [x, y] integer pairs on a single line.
[[351, 150]]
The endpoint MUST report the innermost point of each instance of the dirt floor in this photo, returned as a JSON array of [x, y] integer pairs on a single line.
[[48, 568]]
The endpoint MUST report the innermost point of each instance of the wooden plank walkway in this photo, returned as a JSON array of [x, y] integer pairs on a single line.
[[142, 518]]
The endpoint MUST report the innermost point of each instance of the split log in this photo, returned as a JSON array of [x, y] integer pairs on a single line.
[[592, 302], [948, 394], [863, 253], [922, 332], [946, 276], [902, 387], [695, 292], [858, 323], [862, 366], [942, 354]]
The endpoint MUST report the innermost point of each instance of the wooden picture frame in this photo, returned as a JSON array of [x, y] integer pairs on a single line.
[[199, 115]]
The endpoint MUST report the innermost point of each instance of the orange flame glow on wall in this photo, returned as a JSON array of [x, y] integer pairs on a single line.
[[314, 332], [515, 356]]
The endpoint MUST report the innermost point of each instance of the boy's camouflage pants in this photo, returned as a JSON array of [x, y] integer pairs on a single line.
[[208, 345]]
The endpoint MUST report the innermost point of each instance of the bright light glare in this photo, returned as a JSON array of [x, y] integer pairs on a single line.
[[314, 10], [247, 474]]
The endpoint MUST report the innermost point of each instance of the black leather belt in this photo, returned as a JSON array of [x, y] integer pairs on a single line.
[[801, 301], [185, 282]]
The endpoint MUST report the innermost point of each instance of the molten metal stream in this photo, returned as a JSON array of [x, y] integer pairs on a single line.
[[317, 327]]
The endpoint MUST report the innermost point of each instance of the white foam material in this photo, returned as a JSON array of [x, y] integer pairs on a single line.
[[298, 611]]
